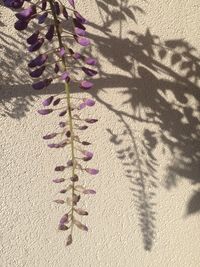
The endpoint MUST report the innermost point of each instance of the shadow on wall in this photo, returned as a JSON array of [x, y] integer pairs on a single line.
[[161, 81]]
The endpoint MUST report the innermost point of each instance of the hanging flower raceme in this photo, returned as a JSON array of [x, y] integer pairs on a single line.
[[61, 63]]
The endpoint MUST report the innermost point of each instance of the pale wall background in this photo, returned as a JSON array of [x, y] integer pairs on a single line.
[[146, 144]]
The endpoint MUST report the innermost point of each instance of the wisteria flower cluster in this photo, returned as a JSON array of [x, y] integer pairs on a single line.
[[58, 26]]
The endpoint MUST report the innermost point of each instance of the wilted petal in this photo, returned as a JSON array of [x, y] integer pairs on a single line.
[[92, 171], [83, 127], [63, 227], [45, 111], [58, 180], [56, 68], [89, 192], [49, 136], [57, 8], [74, 178], [85, 143], [44, 5], [86, 85], [69, 239], [64, 219], [91, 120], [60, 168], [81, 212], [62, 124], [80, 225], [38, 72], [59, 201]]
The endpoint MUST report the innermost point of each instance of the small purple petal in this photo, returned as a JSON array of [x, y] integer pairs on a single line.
[[21, 25], [56, 102], [33, 38], [38, 61], [86, 85], [80, 18], [45, 111], [57, 8], [84, 127], [65, 76], [81, 106], [62, 52], [89, 72], [47, 101], [26, 14], [61, 114], [92, 171], [88, 155], [89, 102], [91, 61], [82, 40], [38, 72], [58, 180], [37, 45], [42, 18], [50, 33], [79, 31], [41, 84], [72, 3], [56, 68], [44, 5], [74, 178]]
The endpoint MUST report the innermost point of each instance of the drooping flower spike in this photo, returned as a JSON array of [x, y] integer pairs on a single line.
[[62, 64]]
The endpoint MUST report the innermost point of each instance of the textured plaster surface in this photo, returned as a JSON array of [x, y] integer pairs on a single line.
[[146, 144]]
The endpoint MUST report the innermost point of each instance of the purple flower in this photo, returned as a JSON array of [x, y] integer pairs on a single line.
[[47, 101], [38, 61], [38, 72], [14, 3], [26, 14], [80, 32], [74, 178], [65, 13], [36, 45], [89, 102], [56, 68], [62, 52], [21, 25], [61, 114], [49, 136], [87, 155], [58, 180], [82, 40], [81, 106], [45, 111], [72, 3], [33, 38], [57, 8], [41, 84], [90, 61], [65, 76], [44, 5], [86, 85], [80, 18], [42, 18], [92, 171], [89, 72], [56, 102], [50, 33]]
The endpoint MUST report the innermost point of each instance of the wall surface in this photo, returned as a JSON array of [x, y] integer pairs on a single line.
[[146, 144]]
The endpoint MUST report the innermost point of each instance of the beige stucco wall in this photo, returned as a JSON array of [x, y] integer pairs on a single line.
[[148, 111]]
